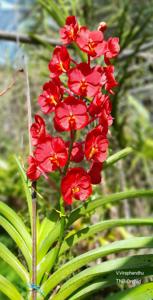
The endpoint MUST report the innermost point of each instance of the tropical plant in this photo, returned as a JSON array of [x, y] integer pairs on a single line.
[[69, 280], [43, 267]]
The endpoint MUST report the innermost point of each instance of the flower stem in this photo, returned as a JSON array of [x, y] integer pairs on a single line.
[[34, 241], [88, 60]]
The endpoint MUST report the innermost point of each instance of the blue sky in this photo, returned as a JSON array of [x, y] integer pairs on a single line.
[[10, 16]]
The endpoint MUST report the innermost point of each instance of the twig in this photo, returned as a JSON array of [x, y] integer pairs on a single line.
[[27, 39], [11, 84]]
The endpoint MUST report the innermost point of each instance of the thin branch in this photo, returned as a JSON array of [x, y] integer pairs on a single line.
[[27, 39], [11, 84], [7, 88]]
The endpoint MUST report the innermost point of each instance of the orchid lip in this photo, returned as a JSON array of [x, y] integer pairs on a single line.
[[75, 190], [61, 67], [93, 151]]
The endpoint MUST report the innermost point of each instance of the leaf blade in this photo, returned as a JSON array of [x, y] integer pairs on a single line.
[[16, 265], [113, 198], [7, 288], [82, 260], [132, 263]]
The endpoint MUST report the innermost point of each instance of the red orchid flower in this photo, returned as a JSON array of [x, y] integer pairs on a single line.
[[60, 62], [96, 106], [105, 115], [75, 102], [38, 130], [95, 172], [71, 114], [52, 154], [110, 79], [76, 185], [112, 49], [34, 170], [50, 97], [91, 42], [96, 146], [69, 32], [77, 153], [84, 81]]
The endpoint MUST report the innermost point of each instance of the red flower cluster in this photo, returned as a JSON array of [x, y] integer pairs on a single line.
[[77, 100]]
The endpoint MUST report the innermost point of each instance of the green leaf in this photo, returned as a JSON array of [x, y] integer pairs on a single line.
[[46, 264], [18, 240], [84, 259], [51, 237], [142, 292], [54, 10], [7, 288], [87, 291], [46, 228], [93, 229], [117, 156], [113, 198], [13, 262], [16, 221], [27, 189], [131, 263]]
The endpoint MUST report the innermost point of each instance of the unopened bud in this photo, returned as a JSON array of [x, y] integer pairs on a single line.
[[102, 26]]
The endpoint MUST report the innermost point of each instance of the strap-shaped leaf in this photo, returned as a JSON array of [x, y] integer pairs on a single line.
[[131, 263], [7, 288], [84, 259], [86, 291], [18, 240], [141, 292], [27, 189], [113, 198], [16, 221], [46, 243], [46, 228], [13, 262], [46, 264], [93, 229]]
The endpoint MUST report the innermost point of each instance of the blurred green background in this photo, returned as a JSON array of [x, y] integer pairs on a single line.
[[35, 27]]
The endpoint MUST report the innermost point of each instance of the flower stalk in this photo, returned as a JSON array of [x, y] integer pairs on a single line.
[[34, 241]]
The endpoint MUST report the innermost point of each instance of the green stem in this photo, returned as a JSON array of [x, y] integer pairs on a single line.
[[117, 156], [34, 241]]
